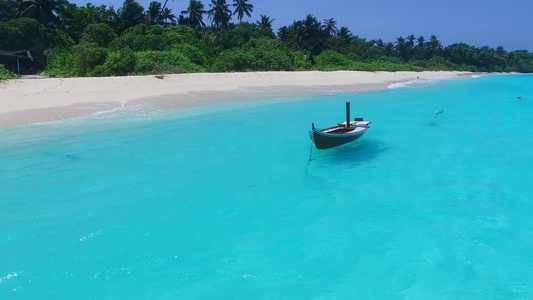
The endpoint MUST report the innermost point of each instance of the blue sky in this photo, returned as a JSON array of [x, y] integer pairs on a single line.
[[508, 23]]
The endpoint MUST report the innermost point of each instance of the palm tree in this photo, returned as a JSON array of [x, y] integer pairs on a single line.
[[434, 47], [315, 38], [410, 41], [220, 14], [167, 17], [242, 8], [264, 23], [400, 41], [162, 9], [344, 36], [195, 13], [389, 48], [311, 24], [283, 34], [420, 41], [129, 15], [45, 11], [152, 14], [330, 26], [294, 36], [401, 47]]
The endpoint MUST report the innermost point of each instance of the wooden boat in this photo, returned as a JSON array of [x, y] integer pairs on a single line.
[[340, 134]]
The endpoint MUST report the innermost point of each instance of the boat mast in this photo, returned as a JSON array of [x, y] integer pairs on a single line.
[[347, 114]]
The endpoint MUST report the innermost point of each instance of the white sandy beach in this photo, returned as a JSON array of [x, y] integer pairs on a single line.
[[24, 101]]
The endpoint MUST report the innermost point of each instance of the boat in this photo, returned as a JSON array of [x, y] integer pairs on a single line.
[[343, 133]]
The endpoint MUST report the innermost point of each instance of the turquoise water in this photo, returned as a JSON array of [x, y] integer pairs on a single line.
[[222, 202]]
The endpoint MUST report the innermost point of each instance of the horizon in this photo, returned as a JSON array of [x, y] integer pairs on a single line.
[[493, 24]]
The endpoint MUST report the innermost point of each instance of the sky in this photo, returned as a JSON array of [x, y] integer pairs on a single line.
[[507, 23]]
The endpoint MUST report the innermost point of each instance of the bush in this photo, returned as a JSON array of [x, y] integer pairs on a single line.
[[237, 35], [101, 34], [235, 60], [270, 60], [62, 62], [117, 64], [258, 54], [157, 62], [191, 52], [330, 60], [181, 34], [141, 38], [268, 54], [25, 33], [6, 74], [301, 61], [89, 55]]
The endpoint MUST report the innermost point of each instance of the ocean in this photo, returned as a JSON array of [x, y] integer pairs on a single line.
[[231, 201]]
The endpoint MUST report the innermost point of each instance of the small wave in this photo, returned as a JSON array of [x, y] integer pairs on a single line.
[[419, 82], [409, 83], [399, 85], [125, 110], [8, 276], [122, 106], [90, 235]]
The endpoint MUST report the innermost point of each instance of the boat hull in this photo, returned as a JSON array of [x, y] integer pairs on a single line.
[[324, 140]]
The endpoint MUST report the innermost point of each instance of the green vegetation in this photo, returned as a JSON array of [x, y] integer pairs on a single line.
[[6, 74], [70, 40]]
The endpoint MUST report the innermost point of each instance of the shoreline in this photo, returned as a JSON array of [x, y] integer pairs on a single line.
[[27, 101]]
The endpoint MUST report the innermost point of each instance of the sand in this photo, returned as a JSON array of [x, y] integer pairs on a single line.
[[31, 100]]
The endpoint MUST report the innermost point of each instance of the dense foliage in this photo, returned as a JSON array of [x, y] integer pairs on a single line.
[[6, 74], [70, 40]]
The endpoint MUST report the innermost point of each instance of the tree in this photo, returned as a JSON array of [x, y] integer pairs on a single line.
[[264, 23], [129, 15], [162, 9], [330, 26], [220, 14], [500, 57], [311, 25], [167, 18], [377, 43], [343, 37], [195, 13], [433, 47], [26, 34], [101, 34], [389, 48], [8, 9], [242, 8], [401, 48], [75, 19], [410, 41], [293, 36], [460, 53], [420, 41], [45, 11], [304, 35], [315, 37], [419, 51], [151, 15]]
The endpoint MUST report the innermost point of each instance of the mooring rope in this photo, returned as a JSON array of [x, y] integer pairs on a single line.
[[312, 143]]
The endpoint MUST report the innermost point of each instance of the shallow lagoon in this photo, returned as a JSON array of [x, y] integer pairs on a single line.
[[222, 202]]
